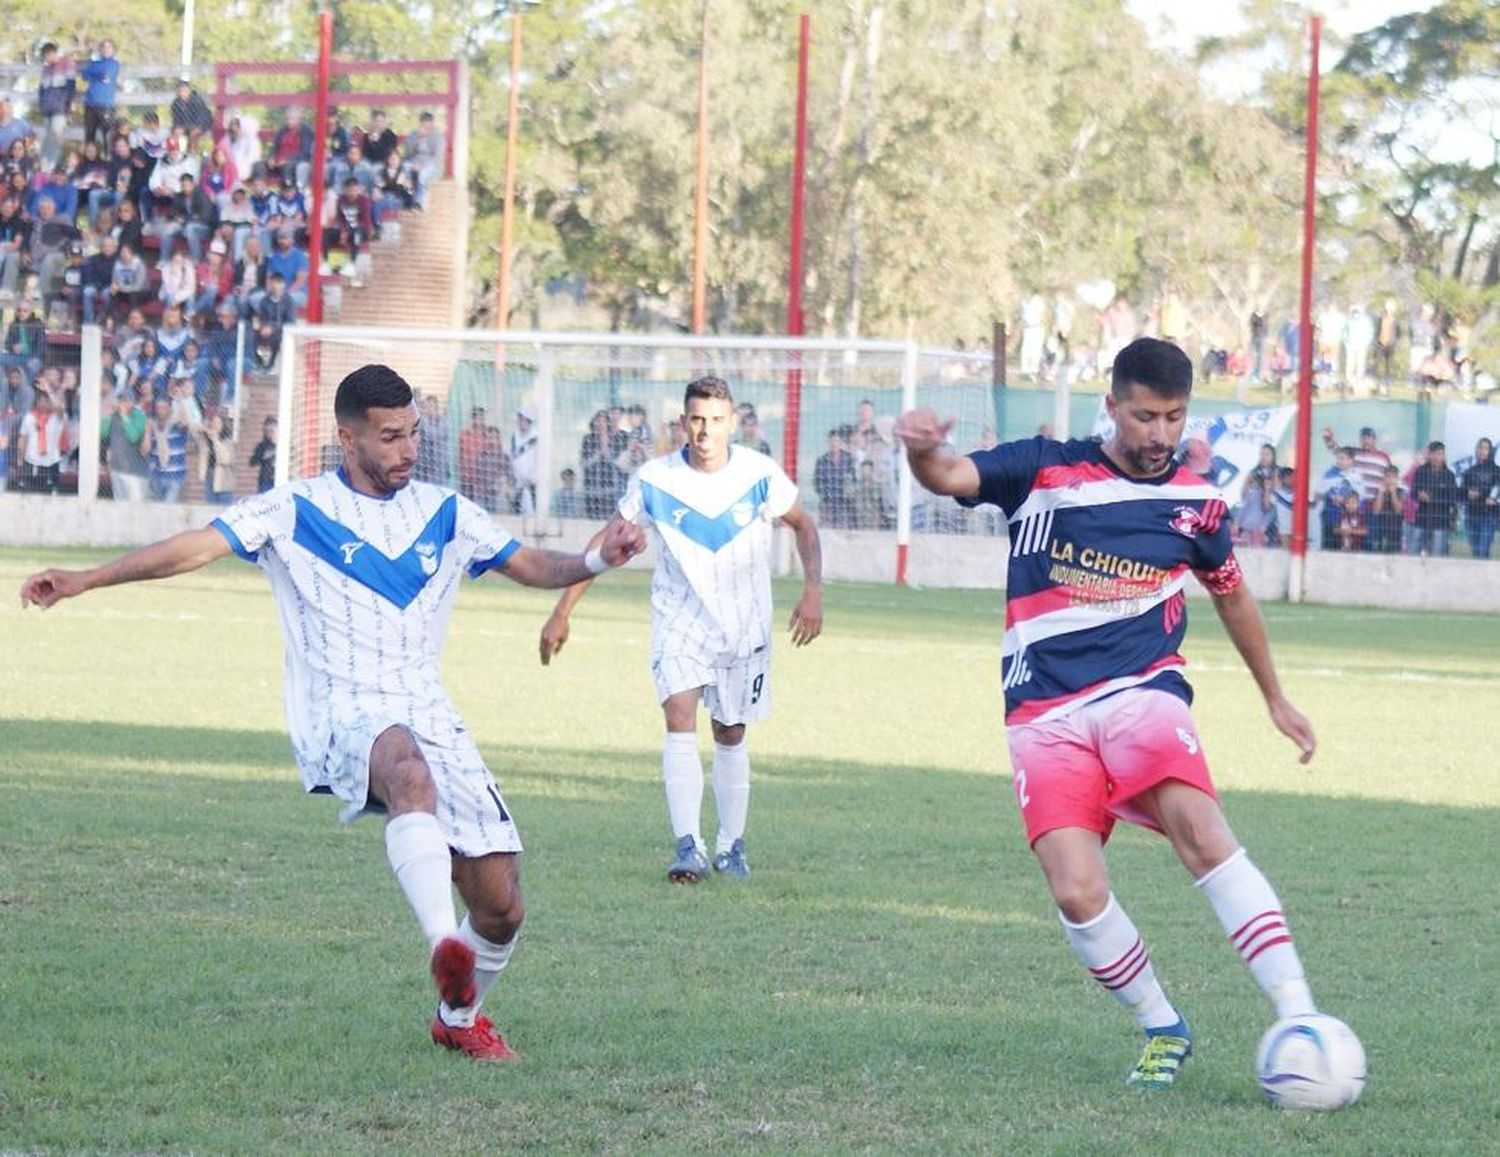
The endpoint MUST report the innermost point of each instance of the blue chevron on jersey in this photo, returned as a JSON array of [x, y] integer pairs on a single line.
[[711, 531], [398, 580]]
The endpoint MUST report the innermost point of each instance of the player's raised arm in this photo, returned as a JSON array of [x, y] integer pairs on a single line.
[[933, 462], [618, 544], [171, 556], [807, 616], [1247, 630]]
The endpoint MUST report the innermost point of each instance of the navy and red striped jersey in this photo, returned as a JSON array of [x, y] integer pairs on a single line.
[[1094, 599]]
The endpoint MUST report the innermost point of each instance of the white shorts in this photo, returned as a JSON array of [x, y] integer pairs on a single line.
[[470, 810], [734, 694]]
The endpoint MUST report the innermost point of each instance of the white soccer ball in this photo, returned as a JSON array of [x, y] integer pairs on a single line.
[[1311, 1062]]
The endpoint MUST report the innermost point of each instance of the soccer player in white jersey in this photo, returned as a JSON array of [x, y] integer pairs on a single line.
[[710, 508], [1103, 538], [364, 565]]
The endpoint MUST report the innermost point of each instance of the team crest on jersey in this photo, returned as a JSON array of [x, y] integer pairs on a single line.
[[349, 549], [427, 557], [1187, 522], [742, 513]]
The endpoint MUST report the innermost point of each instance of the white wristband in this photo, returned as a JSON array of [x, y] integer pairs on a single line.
[[594, 560]]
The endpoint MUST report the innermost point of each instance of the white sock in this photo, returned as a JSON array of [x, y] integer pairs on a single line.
[[1116, 956], [419, 856], [490, 960], [731, 791], [1250, 913], [682, 773]]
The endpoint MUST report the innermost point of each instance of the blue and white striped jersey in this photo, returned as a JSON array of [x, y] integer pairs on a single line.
[[364, 587], [711, 593]]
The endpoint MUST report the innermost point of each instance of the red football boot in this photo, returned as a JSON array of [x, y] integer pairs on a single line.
[[479, 1041]]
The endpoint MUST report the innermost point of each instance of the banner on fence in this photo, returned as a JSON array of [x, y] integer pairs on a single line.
[[1224, 448]]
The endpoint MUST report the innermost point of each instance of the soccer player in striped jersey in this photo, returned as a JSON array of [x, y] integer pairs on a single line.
[[710, 507], [1104, 538], [364, 565]]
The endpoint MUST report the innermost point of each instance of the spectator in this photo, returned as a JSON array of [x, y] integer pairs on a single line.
[[166, 450], [1437, 495], [130, 281], [248, 283], [16, 394], [149, 139], [567, 502], [218, 176], [15, 243], [1255, 512], [750, 431], [834, 480], [603, 483], [495, 482], [1339, 480], [123, 433], [1353, 527], [1387, 335], [165, 182], [236, 211], [290, 263], [395, 189], [179, 277], [190, 216], [432, 450], [214, 279], [275, 310], [44, 443], [100, 72], [1369, 460], [1385, 513], [47, 252], [91, 176], [220, 347], [191, 368], [352, 222], [335, 167], [380, 139], [868, 512], [263, 457], [1481, 492], [147, 371], [241, 140], [292, 149], [216, 458], [470, 448], [13, 128], [356, 165], [426, 151], [265, 347], [25, 338], [127, 228], [521, 450], [189, 111], [59, 190], [128, 338], [287, 208], [54, 100]]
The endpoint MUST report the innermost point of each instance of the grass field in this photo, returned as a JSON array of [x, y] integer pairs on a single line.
[[193, 956]]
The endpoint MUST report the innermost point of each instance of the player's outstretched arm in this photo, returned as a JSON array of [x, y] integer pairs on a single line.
[[933, 463], [555, 629], [1241, 618], [171, 556], [807, 615]]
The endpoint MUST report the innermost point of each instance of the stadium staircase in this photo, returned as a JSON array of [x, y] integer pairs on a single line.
[[409, 282]]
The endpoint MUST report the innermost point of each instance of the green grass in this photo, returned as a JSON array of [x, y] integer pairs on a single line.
[[193, 956]]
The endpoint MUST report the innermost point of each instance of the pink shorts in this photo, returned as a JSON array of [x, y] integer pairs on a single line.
[[1083, 770]]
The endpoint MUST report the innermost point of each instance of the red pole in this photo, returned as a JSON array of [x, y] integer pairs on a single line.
[[311, 390], [1304, 318], [794, 277]]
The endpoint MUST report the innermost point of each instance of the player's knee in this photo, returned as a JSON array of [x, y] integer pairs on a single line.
[[1080, 898], [407, 786], [726, 735], [498, 918]]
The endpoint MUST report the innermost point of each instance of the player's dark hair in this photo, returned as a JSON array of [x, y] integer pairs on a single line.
[[709, 387], [370, 387], [1158, 365]]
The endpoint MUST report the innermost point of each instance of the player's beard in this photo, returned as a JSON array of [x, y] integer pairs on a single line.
[[1148, 461]]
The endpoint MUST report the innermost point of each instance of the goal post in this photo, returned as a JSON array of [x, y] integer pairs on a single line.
[[545, 428]]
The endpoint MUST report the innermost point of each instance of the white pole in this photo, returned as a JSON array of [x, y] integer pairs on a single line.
[[284, 409], [90, 369], [903, 468], [542, 518], [239, 372], [1061, 394], [187, 36]]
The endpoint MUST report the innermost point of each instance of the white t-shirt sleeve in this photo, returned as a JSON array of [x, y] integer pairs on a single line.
[[632, 505], [261, 520], [482, 543], [782, 494]]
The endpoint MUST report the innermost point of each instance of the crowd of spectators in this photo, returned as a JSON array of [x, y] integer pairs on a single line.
[[169, 235]]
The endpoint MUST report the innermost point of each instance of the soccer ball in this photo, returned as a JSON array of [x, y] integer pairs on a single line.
[[1310, 1062]]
